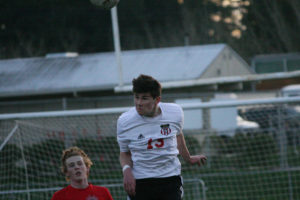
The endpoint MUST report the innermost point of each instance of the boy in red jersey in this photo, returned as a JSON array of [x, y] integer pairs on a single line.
[[76, 166]]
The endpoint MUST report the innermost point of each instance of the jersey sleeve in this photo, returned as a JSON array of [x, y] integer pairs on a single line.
[[108, 195], [180, 119], [121, 137], [56, 196]]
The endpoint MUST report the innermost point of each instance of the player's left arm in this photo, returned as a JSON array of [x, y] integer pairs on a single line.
[[184, 152]]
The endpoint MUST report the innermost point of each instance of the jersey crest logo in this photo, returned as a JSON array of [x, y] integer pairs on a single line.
[[141, 137], [165, 129], [92, 198]]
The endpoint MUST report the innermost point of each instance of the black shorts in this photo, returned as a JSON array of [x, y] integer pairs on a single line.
[[169, 188]]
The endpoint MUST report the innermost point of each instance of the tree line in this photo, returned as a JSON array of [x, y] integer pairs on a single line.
[[34, 28]]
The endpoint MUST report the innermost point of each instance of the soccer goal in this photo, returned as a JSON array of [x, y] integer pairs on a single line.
[[252, 146]]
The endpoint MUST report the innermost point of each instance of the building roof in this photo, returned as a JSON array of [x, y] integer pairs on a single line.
[[217, 81], [99, 71], [276, 57]]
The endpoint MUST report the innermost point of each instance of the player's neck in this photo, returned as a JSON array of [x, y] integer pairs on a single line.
[[80, 184], [156, 112]]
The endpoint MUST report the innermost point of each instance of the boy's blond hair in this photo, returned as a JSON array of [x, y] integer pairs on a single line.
[[74, 151]]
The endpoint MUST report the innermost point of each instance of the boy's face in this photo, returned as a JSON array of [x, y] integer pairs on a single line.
[[145, 104], [76, 169]]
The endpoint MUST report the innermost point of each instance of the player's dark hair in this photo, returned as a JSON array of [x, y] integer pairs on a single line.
[[144, 84]]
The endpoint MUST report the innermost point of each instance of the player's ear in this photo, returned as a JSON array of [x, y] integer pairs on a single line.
[[87, 171], [157, 99], [67, 175]]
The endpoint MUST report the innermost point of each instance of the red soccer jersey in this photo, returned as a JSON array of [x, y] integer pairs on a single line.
[[92, 192]]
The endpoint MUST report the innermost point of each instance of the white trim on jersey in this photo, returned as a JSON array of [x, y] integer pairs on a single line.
[[152, 141]]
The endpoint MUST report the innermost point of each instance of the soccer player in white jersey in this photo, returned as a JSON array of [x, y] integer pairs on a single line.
[[150, 138]]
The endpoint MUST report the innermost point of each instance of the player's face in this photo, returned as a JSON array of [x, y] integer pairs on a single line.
[[145, 104], [76, 169]]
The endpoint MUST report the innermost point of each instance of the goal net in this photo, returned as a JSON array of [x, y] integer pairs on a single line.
[[252, 155]]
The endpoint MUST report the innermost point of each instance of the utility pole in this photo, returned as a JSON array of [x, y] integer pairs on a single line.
[[116, 36]]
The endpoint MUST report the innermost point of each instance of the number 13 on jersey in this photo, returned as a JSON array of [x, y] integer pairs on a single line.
[[158, 143]]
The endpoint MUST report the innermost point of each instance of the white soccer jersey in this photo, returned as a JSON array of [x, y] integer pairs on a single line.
[[152, 141]]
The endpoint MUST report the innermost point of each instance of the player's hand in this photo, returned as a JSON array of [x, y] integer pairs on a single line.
[[129, 182], [198, 159]]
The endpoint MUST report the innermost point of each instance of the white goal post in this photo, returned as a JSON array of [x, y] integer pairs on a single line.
[[244, 161]]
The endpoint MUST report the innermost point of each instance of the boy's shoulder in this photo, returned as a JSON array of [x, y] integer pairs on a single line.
[[170, 107]]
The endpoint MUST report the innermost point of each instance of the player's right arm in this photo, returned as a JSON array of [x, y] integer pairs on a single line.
[[128, 178], [125, 154]]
